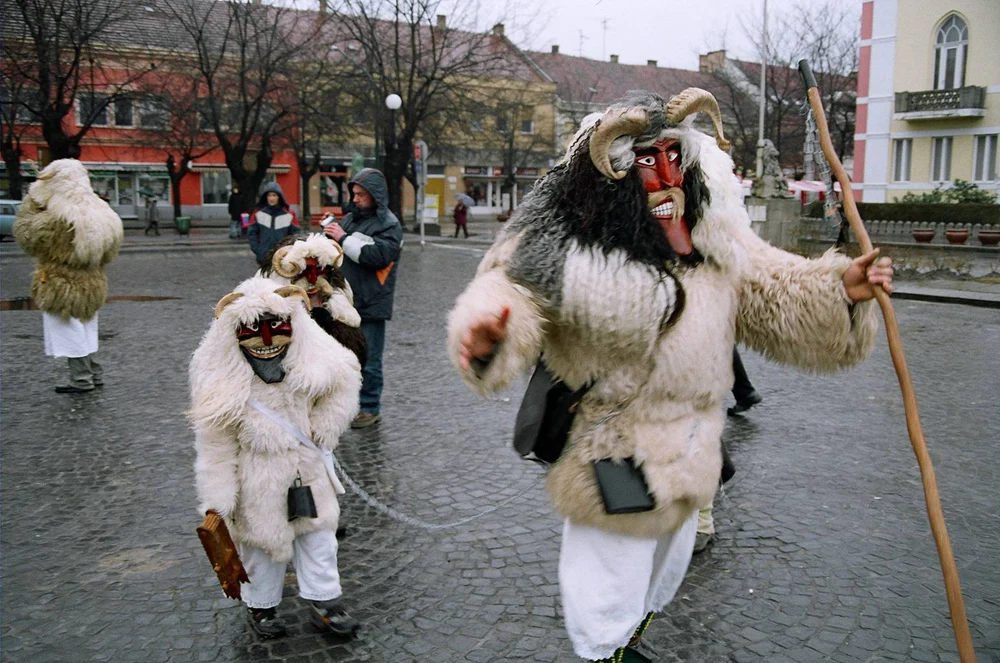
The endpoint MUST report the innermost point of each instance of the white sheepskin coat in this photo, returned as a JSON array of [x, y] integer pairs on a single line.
[[669, 386], [340, 303], [73, 234], [246, 462]]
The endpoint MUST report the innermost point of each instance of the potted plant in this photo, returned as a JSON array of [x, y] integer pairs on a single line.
[[956, 235], [924, 235], [990, 237]]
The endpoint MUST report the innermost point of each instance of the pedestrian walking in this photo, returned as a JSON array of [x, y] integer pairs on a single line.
[[633, 267], [235, 208], [461, 215], [743, 390], [264, 446], [73, 234], [272, 221], [371, 237], [152, 222]]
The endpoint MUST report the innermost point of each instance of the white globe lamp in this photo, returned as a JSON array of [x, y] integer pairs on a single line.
[[393, 101]]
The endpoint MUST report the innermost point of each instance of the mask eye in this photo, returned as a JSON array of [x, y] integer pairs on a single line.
[[276, 323], [672, 156], [646, 161], [252, 326]]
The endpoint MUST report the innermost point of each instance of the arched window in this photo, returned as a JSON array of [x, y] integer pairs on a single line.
[[950, 48]]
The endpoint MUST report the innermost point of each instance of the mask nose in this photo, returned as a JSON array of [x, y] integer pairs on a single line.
[[265, 332]]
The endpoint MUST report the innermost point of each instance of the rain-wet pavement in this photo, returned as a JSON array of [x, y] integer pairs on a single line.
[[823, 552]]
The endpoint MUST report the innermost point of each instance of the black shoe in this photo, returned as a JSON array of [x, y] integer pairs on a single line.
[[70, 389], [751, 399], [331, 616], [265, 623], [342, 531], [626, 655]]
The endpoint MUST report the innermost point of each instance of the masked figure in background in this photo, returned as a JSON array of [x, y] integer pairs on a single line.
[[271, 393], [312, 262], [73, 234], [631, 268]]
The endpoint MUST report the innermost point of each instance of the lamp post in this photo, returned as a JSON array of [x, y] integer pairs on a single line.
[[392, 102]]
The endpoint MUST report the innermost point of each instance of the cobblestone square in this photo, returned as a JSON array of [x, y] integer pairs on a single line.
[[824, 552]]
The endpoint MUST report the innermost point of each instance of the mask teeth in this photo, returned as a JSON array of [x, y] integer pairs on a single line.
[[666, 209]]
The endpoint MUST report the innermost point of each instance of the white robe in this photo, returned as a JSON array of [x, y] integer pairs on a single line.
[[69, 337]]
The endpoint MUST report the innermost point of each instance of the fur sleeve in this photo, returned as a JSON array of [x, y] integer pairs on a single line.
[[796, 311], [331, 413], [215, 468], [488, 294]]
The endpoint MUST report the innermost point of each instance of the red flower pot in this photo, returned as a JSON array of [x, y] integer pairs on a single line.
[[989, 237], [924, 235], [956, 236]]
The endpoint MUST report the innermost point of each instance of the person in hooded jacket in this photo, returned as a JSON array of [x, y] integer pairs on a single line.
[[271, 222], [371, 237]]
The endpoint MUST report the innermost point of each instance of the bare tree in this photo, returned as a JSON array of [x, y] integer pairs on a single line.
[[15, 119], [169, 114], [400, 46], [64, 51], [248, 59]]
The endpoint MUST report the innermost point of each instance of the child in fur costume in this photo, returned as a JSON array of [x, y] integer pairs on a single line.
[[312, 262], [73, 234], [631, 267], [271, 393]]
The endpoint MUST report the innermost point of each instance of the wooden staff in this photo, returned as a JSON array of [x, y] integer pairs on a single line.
[[940, 531]]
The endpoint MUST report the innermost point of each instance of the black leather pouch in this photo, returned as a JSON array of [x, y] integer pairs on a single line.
[[546, 415], [300, 501], [623, 487]]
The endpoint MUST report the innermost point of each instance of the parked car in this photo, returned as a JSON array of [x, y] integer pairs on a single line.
[[8, 210]]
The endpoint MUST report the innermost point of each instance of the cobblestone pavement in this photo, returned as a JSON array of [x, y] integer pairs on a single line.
[[824, 551]]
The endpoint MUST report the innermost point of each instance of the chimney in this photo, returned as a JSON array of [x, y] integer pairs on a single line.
[[498, 30], [555, 48], [442, 22], [709, 62], [614, 58], [651, 63]]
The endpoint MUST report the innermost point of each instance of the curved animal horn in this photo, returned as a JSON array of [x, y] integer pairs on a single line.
[[226, 301], [294, 291], [614, 123], [339, 260], [693, 100], [279, 255]]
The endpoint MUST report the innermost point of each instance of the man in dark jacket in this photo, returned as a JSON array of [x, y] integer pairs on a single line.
[[371, 237], [271, 222]]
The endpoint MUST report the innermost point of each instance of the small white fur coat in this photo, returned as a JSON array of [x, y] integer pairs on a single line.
[[246, 462], [669, 387]]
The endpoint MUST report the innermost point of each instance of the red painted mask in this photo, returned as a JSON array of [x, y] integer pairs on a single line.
[[660, 168], [264, 342]]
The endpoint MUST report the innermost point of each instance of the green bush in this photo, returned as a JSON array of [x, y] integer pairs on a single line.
[[931, 213], [960, 192]]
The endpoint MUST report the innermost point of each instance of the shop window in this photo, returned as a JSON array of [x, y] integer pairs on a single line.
[[985, 159], [215, 187], [104, 186], [435, 170], [155, 185], [126, 190], [941, 159], [950, 48], [901, 160]]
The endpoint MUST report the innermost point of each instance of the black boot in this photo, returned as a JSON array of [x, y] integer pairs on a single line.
[[265, 623], [626, 655], [640, 630], [331, 616]]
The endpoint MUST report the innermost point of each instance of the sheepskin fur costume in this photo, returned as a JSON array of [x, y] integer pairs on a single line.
[[245, 461], [592, 287], [73, 234]]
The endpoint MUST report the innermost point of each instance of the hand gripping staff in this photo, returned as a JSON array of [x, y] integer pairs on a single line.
[[938, 528]]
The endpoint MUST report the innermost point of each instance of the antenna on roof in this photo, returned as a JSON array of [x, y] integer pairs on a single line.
[[604, 37], [582, 39]]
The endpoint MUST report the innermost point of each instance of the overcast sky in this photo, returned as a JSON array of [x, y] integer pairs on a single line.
[[671, 32]]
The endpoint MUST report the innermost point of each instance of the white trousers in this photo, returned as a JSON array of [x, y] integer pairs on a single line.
[[610, 582], [314, 556], [69, 337]]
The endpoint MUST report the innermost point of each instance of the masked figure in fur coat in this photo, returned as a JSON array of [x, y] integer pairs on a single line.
[[631, 267], [312, 262], [73, 234], [271, 394]]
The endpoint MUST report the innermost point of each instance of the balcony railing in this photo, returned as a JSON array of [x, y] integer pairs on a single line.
[[968, 101]]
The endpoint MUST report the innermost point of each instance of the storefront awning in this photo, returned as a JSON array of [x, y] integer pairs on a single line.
[[220, 167], [110, 166]]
